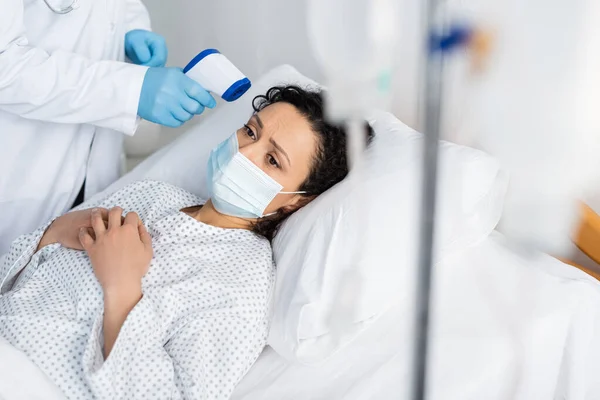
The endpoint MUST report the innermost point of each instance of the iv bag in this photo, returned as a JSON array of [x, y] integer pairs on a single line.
[[354, 42]]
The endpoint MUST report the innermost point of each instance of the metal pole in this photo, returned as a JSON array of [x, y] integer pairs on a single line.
[[433, 91]]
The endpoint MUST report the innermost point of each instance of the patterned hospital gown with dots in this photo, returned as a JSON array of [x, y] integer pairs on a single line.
[[199, 327]]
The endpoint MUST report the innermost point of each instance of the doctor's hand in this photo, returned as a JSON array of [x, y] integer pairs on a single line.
[[146, 48], [65, 229], [171, 98], [120, 253]]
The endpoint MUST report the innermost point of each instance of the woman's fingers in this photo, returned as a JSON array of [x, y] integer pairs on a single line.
[[103, 213], [85, 238], [91, 233], [114, 217], [98, 222], [132, 219], [145, 236], [103, 219]]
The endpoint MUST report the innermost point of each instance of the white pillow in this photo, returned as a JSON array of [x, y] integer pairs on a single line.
[[316, 247], [312, 251]]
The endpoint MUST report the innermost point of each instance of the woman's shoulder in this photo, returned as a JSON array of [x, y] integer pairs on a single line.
[[249, 242], [248, 254], [253, 270]]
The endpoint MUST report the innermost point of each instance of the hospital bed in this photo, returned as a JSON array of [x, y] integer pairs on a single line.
[[505, 325]]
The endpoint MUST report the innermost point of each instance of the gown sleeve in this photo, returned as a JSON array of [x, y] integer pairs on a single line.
[[205, 359]]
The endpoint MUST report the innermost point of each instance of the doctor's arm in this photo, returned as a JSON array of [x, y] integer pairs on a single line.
[[65, 87], [136, 16]]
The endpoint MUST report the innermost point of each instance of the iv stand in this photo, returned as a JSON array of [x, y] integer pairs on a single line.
[[431, 116]]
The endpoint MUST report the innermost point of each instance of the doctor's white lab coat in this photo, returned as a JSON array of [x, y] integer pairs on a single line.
[[65, 98]]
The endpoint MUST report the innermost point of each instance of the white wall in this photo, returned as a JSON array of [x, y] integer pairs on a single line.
[[255, 35]]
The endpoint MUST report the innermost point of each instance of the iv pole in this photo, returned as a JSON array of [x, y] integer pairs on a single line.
[[431, 117]]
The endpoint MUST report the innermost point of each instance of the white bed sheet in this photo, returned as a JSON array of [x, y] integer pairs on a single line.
[[20, 379], [505, 327]]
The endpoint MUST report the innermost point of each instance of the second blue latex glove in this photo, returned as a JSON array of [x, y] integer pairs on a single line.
[[146, 48], [170, 98]]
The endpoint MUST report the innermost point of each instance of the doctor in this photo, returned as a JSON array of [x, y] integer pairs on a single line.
[[66, 95]]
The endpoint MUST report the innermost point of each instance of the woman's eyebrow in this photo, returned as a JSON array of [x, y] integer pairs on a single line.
[[281, 150], [274, 143], [260, 124]]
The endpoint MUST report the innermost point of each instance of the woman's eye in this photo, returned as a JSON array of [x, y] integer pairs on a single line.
[[273, 161], [250, 132]]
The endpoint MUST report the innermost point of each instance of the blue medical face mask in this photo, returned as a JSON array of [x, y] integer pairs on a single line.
[[237, 186]]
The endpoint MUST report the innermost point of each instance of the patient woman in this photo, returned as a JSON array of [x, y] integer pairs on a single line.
[[172, 301]]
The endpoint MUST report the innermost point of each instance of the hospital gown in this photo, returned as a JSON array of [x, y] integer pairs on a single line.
[[200, 325]]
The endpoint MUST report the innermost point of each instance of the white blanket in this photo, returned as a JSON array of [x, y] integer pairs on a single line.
[[505, 327], [20, 379]]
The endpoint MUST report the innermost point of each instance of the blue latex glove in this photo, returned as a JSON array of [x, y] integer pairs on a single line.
[[170, 98], [146, 48]]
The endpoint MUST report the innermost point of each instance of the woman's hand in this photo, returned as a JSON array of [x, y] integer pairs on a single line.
[[120, 253], [65, 229]]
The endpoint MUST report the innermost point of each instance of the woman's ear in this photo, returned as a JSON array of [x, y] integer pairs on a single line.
[[296, 203]]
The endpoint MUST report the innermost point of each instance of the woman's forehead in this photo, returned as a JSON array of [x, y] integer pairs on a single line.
[[278, 113], [291, 130], [283, 119]]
